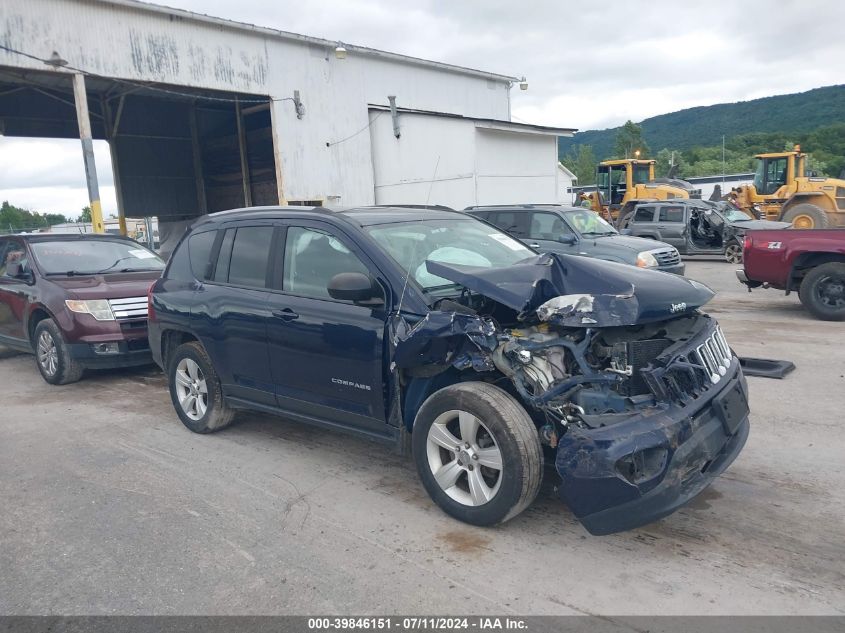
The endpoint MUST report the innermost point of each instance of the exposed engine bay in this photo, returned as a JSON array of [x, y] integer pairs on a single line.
[[573, 358]]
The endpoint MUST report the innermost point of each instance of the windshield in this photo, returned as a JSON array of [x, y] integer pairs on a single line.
[[90, 256], [459, 241], [589, 223], [734, 215], [759, 172]]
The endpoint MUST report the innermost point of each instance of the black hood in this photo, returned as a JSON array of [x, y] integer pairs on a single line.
[[578, 291]]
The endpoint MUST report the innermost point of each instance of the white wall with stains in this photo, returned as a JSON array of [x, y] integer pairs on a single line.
[[324, 155]]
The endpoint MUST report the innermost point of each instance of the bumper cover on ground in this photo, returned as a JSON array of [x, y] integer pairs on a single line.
[[699, 441]]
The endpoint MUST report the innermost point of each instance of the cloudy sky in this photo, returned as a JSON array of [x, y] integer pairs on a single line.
[[589, 64]]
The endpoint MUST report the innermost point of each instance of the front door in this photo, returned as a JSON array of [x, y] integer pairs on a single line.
[[13, 293], [327, 357], [546, 232]]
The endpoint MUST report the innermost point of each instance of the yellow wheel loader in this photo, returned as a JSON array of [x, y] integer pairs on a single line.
[[620, 184], [782, 191]]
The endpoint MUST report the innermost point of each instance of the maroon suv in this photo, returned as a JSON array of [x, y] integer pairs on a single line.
[[76, 301]]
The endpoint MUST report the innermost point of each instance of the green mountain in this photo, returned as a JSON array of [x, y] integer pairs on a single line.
[[704, 126]]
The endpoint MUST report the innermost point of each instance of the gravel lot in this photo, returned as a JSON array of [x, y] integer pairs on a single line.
[[109, 505]]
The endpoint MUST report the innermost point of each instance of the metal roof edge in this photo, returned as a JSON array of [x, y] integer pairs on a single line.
[[138, 5]]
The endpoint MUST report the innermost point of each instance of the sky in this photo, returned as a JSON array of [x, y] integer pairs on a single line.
[[589, 65]]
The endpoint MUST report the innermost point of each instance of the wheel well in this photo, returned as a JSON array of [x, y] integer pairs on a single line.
[[804, 263], [37, 315], [817, 199], [172, 339]]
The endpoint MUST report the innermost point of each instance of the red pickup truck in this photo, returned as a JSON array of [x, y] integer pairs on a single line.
[[809, 261]]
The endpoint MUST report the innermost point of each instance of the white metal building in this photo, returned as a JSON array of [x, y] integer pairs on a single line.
[[204, 114]]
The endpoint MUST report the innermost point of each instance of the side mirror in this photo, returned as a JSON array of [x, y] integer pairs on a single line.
[[355, 287], [567, 238], [626, 232], [18, 270]]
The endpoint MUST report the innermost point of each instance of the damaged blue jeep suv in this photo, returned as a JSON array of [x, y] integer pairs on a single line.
[[432, 329]]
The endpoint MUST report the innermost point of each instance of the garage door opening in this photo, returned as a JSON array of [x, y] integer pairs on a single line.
[[176, 152]]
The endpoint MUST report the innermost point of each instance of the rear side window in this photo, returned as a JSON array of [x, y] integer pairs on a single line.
[[644, 214], [671, 214], [250, 256], [199, 249], [505, 220]]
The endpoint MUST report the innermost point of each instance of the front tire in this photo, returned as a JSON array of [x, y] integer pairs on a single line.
[[822, 292], [196, 391], [52, 355], [477, 453]]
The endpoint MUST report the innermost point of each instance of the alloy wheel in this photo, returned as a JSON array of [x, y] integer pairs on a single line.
[[464, 458], [48, 354], [733, 253], [191, 389]]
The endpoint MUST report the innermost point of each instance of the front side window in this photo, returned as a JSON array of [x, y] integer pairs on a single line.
[[312, 258], [547, 226], [641, 174], [775, 175], [250, 255], [461, 241], [93, 256], [589, 223]]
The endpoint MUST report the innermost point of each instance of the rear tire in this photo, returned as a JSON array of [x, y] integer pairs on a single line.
[[823, 292], [196, 391], [807, 216], [484, 449], [733, 252], [52, 355]]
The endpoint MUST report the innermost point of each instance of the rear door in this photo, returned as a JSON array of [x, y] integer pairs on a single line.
[[231, 310], [672, 225], [326, 356]]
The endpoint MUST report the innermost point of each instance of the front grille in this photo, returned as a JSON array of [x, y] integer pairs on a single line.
[[667, 257], [129, 308], [715, 354], [687, 374]]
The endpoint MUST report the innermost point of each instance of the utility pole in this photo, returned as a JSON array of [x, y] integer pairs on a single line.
[[81, 100], [723, 162]]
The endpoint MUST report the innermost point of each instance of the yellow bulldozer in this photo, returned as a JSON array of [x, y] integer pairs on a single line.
[[782, 191], [620, 184]]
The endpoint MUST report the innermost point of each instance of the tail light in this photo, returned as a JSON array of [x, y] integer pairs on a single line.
[[151, 314], [746, 242]]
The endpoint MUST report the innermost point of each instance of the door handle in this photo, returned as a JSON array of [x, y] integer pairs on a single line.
[[286, 314]]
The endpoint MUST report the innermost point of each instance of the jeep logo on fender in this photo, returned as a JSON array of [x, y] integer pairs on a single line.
[[677, 307], [349, 383]]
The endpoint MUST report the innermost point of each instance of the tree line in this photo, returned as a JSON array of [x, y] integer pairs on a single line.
[[825, 146], [13, 219]]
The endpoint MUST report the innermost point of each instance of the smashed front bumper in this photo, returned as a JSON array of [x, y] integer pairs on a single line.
[[625, 475]]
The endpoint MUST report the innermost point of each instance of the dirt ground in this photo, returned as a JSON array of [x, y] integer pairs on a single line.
[[110, 506]]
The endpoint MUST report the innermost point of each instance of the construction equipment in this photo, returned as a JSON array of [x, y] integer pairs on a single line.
[[782, 190], [620, 184]]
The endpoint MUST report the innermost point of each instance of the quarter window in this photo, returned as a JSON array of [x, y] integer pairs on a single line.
[[312, 258], [199, 249], [250, 255], [644, 214]]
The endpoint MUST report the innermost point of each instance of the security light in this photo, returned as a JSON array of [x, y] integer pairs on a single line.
[[523, 83], [340, 51], [56, 60]]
